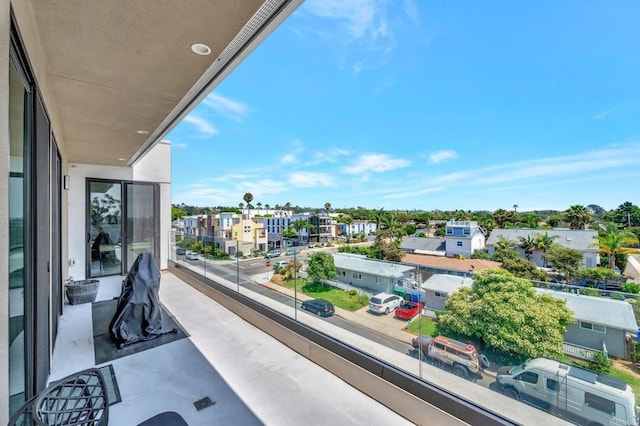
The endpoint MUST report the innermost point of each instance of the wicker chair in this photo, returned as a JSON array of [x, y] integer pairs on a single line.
[[79, 399]]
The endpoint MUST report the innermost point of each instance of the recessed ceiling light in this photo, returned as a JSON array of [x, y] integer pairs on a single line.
[[201, 49], [142, 132], [122, 159]]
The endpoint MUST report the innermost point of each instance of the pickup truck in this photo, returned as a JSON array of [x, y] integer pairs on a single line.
[[408, 310], [462, 358]]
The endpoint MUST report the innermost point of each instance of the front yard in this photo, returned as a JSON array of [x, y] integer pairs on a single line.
[[350, 301]]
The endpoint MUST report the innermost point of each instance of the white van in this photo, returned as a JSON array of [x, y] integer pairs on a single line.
[[272, 254], [579, 395]]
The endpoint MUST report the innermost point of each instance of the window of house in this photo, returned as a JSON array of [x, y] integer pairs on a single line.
[[459, 243], [357, 276], [449, 231], [593, 327], [467, 231], [439, 294]]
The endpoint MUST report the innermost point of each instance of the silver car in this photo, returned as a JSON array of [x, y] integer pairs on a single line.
[[384, 303]]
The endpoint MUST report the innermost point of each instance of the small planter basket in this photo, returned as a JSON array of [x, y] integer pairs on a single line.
[[82, 291]]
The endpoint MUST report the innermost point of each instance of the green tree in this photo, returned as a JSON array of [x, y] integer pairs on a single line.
[[378, 216], [504, 249], [248, 197], [529, 245], [565, 260], [177, 213], [501, 216], [480, 254], [522, 268], [578, 216], [391, 228], [627, 215], [327, 207], [544, 242], [389, 251], [507, 314], [320, 267], [613, 243], [298, 225]]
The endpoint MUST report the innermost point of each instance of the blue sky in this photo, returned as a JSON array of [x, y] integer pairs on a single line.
[[425, 105]]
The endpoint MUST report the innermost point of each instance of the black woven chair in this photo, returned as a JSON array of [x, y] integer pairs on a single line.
[[78, 400]]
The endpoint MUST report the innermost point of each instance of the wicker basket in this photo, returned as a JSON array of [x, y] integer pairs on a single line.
[[82, 291]]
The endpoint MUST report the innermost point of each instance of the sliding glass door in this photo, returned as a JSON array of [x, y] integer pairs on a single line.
[[122, 223]]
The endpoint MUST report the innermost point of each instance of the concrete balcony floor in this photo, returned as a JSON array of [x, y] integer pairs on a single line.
[[251, 377]]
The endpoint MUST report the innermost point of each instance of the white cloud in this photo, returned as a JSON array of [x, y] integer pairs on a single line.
[[330, 155], [201, 124], [288, 159], [229, 108], [438, 157], [310, 179], [378, 163], [181, 145], [357, 15], [605, 113]]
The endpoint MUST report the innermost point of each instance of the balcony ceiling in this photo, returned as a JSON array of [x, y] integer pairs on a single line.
[[119, 66]]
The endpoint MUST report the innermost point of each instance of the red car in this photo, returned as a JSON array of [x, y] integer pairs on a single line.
[[408, 310]]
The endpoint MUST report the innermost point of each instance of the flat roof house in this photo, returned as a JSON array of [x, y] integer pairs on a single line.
[[438, 288], [358, 271]]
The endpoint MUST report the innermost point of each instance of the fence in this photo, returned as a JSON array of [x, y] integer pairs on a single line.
[[578, 351]]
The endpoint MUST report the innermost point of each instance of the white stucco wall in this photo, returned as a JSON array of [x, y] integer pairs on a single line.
[[155, 166], [77, 235]]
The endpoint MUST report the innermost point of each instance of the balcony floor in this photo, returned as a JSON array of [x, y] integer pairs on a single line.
[[251, 377]]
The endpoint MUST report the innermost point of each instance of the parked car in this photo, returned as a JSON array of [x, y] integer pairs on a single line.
[[192, 256], [181, 251], [384, 303], [320, 307], [291, 252], [408, 310], [271, 254], [282, 264], [463, 358]]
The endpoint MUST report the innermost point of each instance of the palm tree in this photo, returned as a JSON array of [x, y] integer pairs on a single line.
[[327, 207], [287, 205], [267, 206], [259, 205], [298, 225], [248, 197], [528, 244], [391, 228], [379, 216], [544, 243], [501, 216], [614, 242], [515, 208], [577, 216]]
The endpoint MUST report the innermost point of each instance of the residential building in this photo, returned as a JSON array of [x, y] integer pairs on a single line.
[[358, 227], [379, 277], [463, 238], [320, 229], [422, 245], [195, 226], [583, 240], [448, 265], [439, 287], [251, 236], [601, 323]]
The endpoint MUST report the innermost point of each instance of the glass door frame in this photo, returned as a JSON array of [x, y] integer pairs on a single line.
[[124, 239]]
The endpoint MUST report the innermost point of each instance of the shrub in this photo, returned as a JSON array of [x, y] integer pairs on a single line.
[[631, 288], [599, 362], [353, 292], [363, 299]]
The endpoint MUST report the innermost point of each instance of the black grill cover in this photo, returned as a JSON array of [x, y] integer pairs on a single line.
[[138, 316]]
